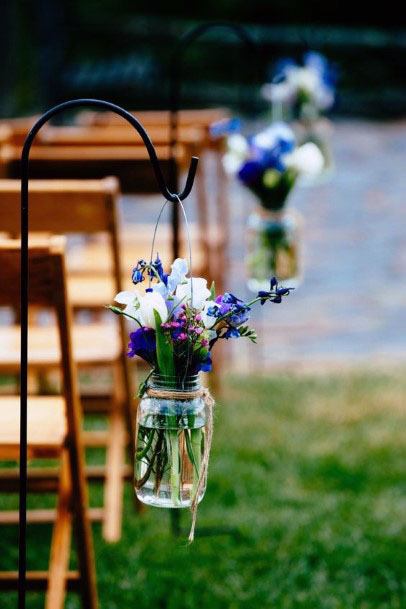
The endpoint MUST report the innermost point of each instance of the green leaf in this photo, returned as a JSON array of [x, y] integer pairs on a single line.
[[247, 332], [213, 291], [164, 349]]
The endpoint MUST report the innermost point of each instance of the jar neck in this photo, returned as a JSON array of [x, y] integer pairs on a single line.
[[178, 383], [271, 216]]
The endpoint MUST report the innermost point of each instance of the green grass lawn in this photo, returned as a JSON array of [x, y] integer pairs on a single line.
[[305, 493]]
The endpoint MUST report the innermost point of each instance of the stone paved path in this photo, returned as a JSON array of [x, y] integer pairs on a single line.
[[351, 306]]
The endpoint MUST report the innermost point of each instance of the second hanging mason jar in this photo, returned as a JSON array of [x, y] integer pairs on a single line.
[[171, 430], [273, 248]]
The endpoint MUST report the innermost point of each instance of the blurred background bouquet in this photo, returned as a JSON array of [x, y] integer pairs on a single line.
[[270, 164], [303, 93]]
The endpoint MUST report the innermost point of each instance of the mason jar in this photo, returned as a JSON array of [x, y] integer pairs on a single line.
[[272, 249], [170, 440]]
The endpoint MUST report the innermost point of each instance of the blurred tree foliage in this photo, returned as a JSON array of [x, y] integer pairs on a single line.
[[336, 12], [54, 49]]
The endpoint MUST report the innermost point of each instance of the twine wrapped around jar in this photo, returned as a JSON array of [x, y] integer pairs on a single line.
[[204, 393]]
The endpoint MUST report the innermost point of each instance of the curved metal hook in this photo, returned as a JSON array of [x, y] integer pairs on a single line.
[[240, 31], [174, 96], [188, 38], [25, 156]]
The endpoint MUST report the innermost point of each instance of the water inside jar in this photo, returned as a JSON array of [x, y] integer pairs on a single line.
[[168, 461]]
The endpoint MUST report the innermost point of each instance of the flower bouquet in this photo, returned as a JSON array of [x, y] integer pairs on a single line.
[[269, 165], [177, 321], [303, 93]]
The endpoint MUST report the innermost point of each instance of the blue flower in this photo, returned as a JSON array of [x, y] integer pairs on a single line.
[[232, 333], [250, 172], [228, 298], [225, 127], [270, 145], [273, 159], [240, 314], [157, 264], [143, 343], [138, 272], [320, 64], [206, 364], [275, 293], [213, 312], [281, 67]]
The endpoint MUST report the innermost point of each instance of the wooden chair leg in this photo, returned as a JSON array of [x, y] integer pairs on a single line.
[[115, 460], [83, 533], [61, 542], [114, 484], [128, 400]]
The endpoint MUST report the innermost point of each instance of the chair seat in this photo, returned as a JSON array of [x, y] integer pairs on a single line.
[[93, 257], [90, 284], [46, 426], [93, 292], [93, 344]]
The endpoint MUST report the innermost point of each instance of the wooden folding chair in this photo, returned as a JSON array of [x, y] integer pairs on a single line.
[[96, 151], [54, 432], [82, 207], [129, 162]]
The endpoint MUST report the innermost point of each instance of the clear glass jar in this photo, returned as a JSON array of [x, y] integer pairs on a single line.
[[273, 249], [170, 442]]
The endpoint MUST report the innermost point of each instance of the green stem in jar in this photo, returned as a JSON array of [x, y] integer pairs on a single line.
[[144, 451], [196, 446], [190, 449], [173, 441]]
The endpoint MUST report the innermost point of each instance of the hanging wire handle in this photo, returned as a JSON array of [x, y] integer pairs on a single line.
[[189, 243], [190, 258]]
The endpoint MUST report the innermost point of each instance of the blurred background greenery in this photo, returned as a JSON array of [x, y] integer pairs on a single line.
[[120, 51]]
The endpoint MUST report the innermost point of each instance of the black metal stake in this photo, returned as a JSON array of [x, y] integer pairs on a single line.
[[76, 103], [184, 42]]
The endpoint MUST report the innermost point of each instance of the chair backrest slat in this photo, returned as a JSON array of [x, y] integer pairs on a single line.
[[61, 206], [196, 118], [45, 282], [116, 135]]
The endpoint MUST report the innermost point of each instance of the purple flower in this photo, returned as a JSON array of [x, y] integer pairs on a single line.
[[143, 343], [236, 310]]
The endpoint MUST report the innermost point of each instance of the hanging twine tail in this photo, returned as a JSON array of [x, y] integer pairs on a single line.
[[209, 402]]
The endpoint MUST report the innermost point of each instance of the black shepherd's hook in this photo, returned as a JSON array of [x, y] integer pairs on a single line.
[[177, 59], [174, 197], [184, 42]]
